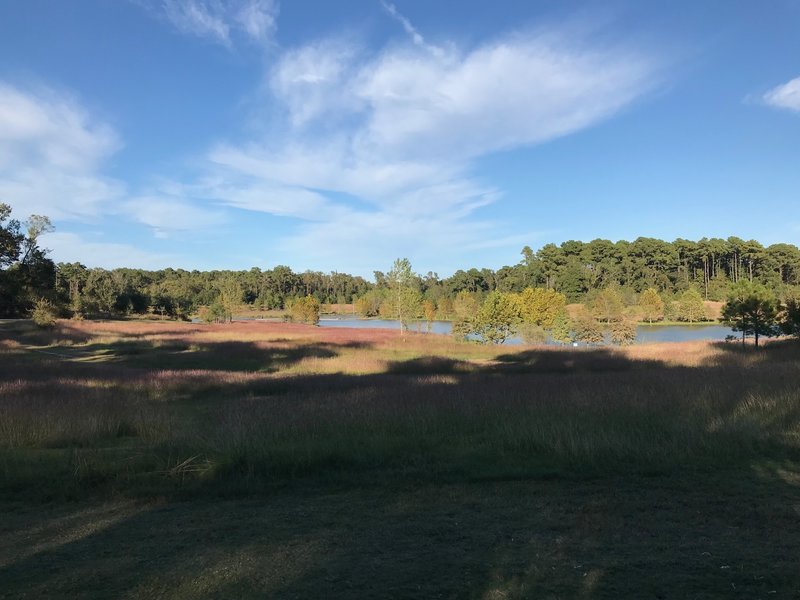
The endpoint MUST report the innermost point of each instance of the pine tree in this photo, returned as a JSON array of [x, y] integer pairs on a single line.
[[752, 309]]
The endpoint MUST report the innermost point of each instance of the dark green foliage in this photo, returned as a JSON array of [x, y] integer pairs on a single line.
[[751, 309], [575, 269], [790, 324], [26, 273]]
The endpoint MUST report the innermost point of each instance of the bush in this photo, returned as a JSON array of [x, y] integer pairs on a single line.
[[586, 329], [44, 313], [305, 310], [623, 333]]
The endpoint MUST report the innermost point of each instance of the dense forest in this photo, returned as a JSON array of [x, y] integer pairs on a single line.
[[579, 271]]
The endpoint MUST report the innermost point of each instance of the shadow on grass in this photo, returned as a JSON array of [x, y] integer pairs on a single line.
[[681, 537], [215, 356], [425, 480]]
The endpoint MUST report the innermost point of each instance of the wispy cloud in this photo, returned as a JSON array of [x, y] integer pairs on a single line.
[[369, 153], [52, 154], [785, 96], [379, 145], [220, 20], [71, 247], [166, 214], [53, 157], [413, 33]]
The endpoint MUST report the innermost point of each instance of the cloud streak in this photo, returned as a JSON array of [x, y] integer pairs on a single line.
[[220, 21], [786, 96]]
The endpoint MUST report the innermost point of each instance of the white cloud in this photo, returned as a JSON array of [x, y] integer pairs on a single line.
[[786, 95], [198, 18], [70, 247], [372, 153], [51, 154], [310, 81], [397, 131], [219, 20], [276, 200], [258, 19], [514, 92], [166, 214]]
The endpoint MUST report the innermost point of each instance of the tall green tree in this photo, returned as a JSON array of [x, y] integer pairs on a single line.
[[10, 237], [26, 274], [752, 309], [790, 321], [406, 301]]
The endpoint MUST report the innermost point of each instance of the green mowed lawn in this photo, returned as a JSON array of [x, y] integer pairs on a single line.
[[730, 536]]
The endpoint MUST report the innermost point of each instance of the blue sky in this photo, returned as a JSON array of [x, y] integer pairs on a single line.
[[340, 135]]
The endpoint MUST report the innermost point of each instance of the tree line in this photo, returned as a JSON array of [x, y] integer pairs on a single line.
[[539, 314], [645, 280]]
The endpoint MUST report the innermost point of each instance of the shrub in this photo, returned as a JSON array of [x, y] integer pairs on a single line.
[[586, 329], [44, 313], [305, 310], [623, 333]]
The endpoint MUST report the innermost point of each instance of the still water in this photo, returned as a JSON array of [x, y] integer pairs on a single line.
[[644, 334]]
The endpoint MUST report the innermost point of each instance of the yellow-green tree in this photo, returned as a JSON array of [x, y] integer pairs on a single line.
[[408, 306], [229, 299], [429, 311], [444, 307], [404, 300], [607, 305], [369, 304], [540, 307], [498, 318], [305, 310], [691, 307], [465, 306], [651, 305], [560, 331]]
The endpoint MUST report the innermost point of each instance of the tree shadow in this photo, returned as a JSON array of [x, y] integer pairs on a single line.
[[349, 526], [660, 538]]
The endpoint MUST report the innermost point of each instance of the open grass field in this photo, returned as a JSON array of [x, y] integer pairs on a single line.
[[276, 460]]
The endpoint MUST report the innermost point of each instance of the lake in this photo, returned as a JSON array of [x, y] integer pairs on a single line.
[[644, 334]]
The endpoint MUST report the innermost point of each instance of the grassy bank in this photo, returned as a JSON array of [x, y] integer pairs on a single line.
[[115, 422], [124, 407]]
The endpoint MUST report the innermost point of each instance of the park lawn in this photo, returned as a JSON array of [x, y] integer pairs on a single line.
[[182, 460]]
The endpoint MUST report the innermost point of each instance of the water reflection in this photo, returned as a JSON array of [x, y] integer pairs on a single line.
[[644, 334]]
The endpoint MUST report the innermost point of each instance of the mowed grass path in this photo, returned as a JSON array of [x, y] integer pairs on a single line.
[[278, 460]]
